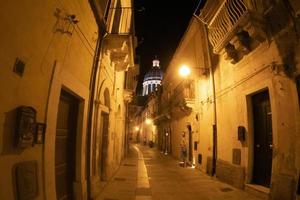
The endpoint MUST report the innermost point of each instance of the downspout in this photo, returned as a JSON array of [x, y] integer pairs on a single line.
[[126, 130], [90, 110], [92, 86], [214, 117]]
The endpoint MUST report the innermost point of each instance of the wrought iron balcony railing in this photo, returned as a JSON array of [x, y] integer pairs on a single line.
[[224, 18], [120, 41], [185, 90], [131, 78], [120, 20]]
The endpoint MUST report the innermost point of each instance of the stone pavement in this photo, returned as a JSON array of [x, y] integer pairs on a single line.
[[146, 174]]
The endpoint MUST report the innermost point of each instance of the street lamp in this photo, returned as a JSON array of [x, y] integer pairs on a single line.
[[148, 121], [184, 71]]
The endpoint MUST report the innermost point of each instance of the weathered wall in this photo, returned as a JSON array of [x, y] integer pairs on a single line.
[[29, 32], [262, 68], [235, 83]]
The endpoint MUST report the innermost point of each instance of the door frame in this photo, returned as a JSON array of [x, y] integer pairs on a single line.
[[103, 161], [71, 99], [62, 79], [190, 142], [254, 135], [250, 127]]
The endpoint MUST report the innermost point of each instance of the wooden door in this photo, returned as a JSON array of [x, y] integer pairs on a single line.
[[65, 146], [104, 149], [263, 143], [298, 88], [190, 143]]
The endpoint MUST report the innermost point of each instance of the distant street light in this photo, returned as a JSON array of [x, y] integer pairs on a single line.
[[184, 71], [148, 121]]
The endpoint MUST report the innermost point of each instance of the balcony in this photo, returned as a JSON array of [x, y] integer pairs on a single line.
[[182, 100], [120, 41], [233, 25], [131, 82]]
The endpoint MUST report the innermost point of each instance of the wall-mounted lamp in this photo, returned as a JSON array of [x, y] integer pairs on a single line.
[[185, 70], [148, 121]]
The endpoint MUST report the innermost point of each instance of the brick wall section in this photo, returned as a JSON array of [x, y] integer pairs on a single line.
[[231, 174]]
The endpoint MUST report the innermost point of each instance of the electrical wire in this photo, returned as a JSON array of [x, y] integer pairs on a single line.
[[79, 32], [84, 44], [236, 84], [78, 27]]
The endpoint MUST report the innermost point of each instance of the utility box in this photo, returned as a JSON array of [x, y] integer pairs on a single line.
[[241, 133]]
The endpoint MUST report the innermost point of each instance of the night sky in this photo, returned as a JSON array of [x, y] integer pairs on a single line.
[[159, 26]]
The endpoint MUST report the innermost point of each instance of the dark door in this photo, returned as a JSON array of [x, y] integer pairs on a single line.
[[104, 129], [262, 117], [298, 88], [190, 143], [170, 139], [65, 146]]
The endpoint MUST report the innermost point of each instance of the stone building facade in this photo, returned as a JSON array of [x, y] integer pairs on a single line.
[[240, 106], [67, 77]]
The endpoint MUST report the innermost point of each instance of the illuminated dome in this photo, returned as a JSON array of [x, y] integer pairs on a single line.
[[152, 78]]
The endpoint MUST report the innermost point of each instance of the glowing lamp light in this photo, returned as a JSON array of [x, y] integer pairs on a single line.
[[137, 128], [184, 71], [148, 121]]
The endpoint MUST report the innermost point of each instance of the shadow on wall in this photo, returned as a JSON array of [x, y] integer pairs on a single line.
[[9, 134]]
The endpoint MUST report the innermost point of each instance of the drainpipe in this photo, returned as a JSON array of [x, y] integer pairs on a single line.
[[126, 138], [91, 109], [97, 57], [214, 118]]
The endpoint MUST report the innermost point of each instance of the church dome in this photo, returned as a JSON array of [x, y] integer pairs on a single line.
[[154, 74], [152, 78]]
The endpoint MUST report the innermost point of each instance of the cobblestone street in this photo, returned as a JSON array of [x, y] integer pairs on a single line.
[[148, 174]]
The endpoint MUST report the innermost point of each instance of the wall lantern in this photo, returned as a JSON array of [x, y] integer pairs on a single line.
[[148, 121], [184, 71]]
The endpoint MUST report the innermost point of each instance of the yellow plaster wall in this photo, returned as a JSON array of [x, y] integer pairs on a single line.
[[28, 33]]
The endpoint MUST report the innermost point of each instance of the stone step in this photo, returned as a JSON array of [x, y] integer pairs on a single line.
[[258, 190]]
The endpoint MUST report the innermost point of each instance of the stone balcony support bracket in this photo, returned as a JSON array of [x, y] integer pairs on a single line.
[[237, 23], [120, 50]]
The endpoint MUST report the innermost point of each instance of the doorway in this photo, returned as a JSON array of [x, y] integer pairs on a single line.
[[65, 145], [189, 127], [298, 88], [104, 146], [263, 142]]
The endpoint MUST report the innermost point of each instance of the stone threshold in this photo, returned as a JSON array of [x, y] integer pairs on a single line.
[[257, 190]]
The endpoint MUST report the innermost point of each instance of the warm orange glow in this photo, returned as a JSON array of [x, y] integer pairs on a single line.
[[148, 121], [137, 128], [184, 71]]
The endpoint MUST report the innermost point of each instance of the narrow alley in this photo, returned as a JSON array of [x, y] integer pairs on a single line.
[[103, 99], [147, 174]]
